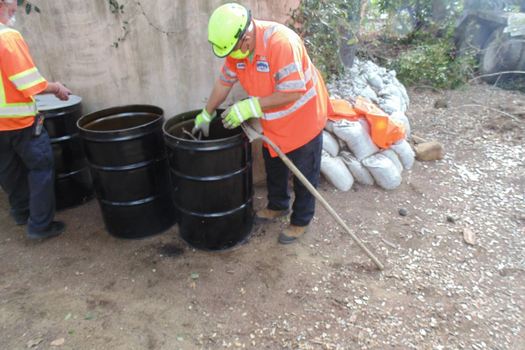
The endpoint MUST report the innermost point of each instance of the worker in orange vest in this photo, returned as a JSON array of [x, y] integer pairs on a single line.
[[287, 94], [26, 157]]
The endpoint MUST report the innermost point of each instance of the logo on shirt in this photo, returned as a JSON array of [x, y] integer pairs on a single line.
[[241, 65], [263, 66]]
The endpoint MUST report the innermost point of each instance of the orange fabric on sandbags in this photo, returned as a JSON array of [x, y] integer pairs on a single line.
[[383, 131]]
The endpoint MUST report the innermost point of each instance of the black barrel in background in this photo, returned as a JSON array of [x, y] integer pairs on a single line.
[[212, 183], [73, 184], [126, 153]]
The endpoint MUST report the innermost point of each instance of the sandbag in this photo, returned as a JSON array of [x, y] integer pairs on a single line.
[[356, 138], [364, 124], [383, 171], [358, 171], [330, 144], [390, 154], [329, 126], [405, 153], [336, 172]]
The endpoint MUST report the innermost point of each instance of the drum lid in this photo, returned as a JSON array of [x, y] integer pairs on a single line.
[[48, 102]]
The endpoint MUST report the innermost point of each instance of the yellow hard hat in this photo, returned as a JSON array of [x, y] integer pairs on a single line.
[[226, 27]]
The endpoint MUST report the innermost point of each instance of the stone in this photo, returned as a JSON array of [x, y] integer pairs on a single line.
[[429, 151]]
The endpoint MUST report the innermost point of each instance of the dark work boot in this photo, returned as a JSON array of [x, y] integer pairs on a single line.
[[21, 218], [54, 229], [291, 234], [270, 214]]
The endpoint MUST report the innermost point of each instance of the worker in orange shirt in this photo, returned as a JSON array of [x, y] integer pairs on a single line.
[[26, 157], [287, 94]]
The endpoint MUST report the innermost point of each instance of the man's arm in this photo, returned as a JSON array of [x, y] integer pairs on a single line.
[[218, 96], [59, 90], [278, 99]]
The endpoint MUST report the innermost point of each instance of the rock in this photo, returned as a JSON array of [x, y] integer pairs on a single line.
[[469, 236], [451, 219], [441, 103], [403, 212], [58, 342], [34, 342], [428, 151]]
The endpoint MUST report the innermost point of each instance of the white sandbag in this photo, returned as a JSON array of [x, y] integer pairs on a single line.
[[391, 104], [401, 118], [330, 144], [405, 153], [356, 138], [390, 154], [336, 172], [364, 124], [368, 93], [329, 126], [358, 171], [383, 170], [374, 80]]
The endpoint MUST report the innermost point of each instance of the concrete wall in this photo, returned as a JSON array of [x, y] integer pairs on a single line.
[[164, 60]]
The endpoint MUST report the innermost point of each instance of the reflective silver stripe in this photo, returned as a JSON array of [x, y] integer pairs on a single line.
[[291, 85], [238, 113], [298, 104], [230, 73], [308, 74], [226, 80], [18, 111], [29, 80], [252, 107], [287, 70], [268, 33]]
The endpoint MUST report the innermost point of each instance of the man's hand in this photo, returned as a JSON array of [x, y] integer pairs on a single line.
[[202, 122], [59, 90], [241, 111]]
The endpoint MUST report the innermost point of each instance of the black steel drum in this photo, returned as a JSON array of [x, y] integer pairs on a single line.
[[212, 183], [126, 153], [73, 184]]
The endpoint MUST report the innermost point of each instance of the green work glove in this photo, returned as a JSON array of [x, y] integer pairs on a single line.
[[202, 122], [241, 111]]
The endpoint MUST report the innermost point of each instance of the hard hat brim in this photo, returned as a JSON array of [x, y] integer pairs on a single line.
[[221, 53]]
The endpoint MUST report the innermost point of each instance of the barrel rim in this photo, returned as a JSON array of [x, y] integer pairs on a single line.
[[184, 117], [107, 112]]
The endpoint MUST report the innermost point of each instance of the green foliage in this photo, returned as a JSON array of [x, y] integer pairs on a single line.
[[433, 63], [28, 7], [324, 26], [115, 7]]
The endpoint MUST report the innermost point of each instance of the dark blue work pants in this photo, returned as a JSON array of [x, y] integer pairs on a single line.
[[308, 160], [27, 176]]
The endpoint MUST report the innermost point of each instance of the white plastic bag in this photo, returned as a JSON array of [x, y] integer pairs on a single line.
[[390, 154], [330, 144], [383, 170], [335, 171], [356, 138], [405, 153], [329, 126], [358, 171]]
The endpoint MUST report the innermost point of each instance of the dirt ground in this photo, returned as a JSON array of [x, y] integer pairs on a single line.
[[88, 290]]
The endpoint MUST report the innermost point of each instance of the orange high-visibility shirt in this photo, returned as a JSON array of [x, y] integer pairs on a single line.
[[20, 81], [280, 63]]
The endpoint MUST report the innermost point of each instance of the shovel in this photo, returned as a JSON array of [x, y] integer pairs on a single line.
[[253, 131]]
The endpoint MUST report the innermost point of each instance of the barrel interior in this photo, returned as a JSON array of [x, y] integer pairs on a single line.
[[121, 121], [183, 124]]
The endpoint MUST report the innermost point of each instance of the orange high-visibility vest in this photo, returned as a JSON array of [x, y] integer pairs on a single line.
[[20, 81], [280, 63]]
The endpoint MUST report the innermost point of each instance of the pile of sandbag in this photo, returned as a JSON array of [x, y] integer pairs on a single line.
[[349, 154]]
